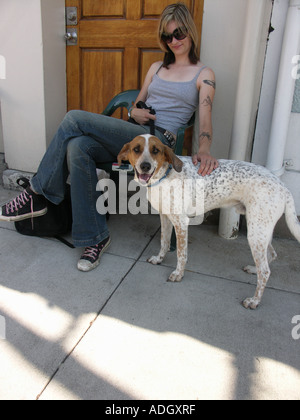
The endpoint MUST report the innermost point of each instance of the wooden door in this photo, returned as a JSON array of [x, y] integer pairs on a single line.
[[116, 45]]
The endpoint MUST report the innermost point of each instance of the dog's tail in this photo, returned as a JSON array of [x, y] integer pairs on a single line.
[[291, 216]]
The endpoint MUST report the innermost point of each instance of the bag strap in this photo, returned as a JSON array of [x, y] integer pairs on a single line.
[[64, 241], [23, 182]]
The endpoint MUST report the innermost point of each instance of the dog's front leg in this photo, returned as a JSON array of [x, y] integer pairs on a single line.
[[166, 232], [181, 229]]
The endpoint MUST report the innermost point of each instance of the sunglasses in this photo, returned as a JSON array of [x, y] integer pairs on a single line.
[[177, 34]]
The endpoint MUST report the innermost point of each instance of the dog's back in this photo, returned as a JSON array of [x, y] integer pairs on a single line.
[[234, 183]]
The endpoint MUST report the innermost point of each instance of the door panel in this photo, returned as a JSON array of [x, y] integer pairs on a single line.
[[116, 45], [95, 63], [92, 8], [153, 8], [147, 58]]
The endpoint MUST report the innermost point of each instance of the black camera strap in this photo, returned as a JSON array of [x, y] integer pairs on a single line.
[[152, 127], [167, 134], [142, 105]]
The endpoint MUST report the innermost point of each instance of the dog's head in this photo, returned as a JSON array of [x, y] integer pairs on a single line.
[[149, 157]]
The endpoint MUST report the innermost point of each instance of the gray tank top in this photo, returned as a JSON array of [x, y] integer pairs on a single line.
[[174, 102]]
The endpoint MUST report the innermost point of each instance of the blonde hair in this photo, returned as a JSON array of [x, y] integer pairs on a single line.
[[180, 14]]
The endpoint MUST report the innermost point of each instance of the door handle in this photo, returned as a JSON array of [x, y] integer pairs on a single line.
[[71, 37]]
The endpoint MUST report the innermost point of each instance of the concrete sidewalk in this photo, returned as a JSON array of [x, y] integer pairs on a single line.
[[123, 332]]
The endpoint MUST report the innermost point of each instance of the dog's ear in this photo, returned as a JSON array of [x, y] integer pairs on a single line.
[[172, 158], [123, 155]]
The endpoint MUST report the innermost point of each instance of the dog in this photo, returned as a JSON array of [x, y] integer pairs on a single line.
[[253, 190]]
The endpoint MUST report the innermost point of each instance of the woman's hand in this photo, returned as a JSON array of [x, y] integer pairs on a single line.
[[142, 116], [208, 163]]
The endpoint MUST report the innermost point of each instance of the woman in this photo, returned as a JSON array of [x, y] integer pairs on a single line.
[[173, 88]]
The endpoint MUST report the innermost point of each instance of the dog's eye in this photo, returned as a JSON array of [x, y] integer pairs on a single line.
[[155, 151], [136, 149]]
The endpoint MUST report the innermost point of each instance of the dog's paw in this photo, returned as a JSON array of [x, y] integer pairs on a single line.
[[175, 277], [250, 269], [250, 303], [155, 260]]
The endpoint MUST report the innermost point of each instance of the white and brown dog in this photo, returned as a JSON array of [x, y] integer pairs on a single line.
[[254, 191]]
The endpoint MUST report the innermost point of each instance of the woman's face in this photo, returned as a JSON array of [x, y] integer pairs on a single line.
[[178, 47]]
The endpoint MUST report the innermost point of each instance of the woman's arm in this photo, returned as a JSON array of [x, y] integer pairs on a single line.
[[207, 86], [142, 116]]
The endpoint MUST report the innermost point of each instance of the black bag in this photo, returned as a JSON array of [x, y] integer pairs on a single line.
[[56, 222]]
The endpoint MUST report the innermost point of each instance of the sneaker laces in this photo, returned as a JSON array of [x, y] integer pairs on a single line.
[[19, 202], [92, 252]]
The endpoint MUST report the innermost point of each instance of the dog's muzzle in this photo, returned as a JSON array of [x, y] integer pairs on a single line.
[[145, 175]]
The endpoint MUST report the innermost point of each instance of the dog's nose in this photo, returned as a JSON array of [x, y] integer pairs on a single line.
[[145, 166]]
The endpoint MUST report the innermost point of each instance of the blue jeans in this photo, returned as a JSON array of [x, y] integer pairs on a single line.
[[83, 139]]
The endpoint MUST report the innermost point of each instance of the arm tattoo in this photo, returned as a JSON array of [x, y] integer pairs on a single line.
[[210, 83], [208, 102], [204, 135]]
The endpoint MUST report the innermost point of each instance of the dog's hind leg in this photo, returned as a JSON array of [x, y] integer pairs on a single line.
[[263, 275], [272, 255], [259, 244], [166, 232]]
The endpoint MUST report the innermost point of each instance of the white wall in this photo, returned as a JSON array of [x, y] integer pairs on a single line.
[[222, 46], [266, 107], [292, 176], [53, 31], [221, 49], [1, 132], [32, 101], [292, 151], [2, 77]]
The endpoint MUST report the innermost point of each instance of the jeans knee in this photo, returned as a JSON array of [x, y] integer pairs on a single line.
[[73, 116], [76, 150]]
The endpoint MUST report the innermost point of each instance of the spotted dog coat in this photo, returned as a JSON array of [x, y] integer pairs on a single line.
[[252, 189]]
